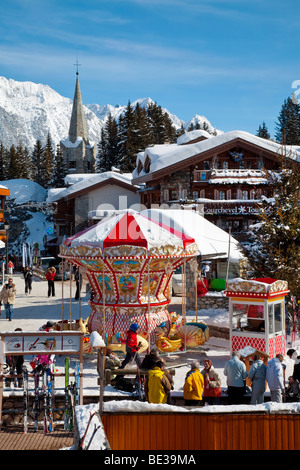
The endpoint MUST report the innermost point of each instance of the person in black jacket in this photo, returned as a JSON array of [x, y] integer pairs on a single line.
[[28, 279]]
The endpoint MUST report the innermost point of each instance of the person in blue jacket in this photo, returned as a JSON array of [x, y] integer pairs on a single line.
[[257, 375], [235, 371]]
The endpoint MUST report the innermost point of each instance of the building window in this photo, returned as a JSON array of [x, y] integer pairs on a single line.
[[225, 165], [195, 195], [245, 195], [202, 193], [173, 194], [72, 164], [206, 165]]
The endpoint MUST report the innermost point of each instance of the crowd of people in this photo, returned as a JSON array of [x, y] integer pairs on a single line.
[[204, 386]]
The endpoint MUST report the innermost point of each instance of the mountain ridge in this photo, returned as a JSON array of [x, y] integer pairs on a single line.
[[29, 111]]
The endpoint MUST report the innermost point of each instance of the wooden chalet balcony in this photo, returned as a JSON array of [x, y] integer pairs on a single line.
[[230, 176]]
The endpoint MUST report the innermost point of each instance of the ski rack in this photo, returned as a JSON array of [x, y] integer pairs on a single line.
[[21, 343]]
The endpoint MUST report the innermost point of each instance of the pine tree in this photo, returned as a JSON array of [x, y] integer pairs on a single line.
[[262, 131], [275, 251], [143, 133], [60, 170], [37, 157], [127, 140], [13, 165], [108, 148], [23, 162], [3, 162], [156, 122], [48, 163], [288, 126]]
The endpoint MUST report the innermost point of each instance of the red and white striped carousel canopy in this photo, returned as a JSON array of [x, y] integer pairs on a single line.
[[129, 227]]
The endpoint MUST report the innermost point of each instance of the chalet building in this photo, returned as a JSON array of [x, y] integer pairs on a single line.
[[87, 199], [223, 173], [79, 153]]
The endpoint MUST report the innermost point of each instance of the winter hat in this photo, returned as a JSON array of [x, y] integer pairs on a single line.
[[134, 327]]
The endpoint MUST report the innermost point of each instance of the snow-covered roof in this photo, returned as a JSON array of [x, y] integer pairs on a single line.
[[193, 135], [163, 156], [211, 240], [80, 182]]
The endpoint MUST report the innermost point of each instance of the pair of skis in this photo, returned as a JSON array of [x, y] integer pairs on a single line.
[[71, 394], [48, 393]]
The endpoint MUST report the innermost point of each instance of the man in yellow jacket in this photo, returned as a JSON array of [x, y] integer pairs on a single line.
[[157, 385], [193, 385]]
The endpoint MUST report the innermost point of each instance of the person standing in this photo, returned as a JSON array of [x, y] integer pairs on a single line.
[[257, 375], [15, 364], [157, 385], [295, 356], [78, 280], [235, 371], [132, 347], [7, 296], [50, 278], [193, 385], [28, 279], [212, 384], [274, 377]]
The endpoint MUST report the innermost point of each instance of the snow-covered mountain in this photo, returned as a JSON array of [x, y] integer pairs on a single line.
[[28, 111]]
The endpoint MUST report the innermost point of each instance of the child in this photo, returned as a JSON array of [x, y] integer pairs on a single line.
[[132, 347]]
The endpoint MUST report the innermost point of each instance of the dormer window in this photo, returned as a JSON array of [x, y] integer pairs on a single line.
[[139, 166], [147, 164]]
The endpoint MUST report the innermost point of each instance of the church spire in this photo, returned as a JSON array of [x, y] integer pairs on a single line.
[[78, 128]]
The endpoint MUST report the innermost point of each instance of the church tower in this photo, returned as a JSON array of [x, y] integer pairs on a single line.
[[79, 153]]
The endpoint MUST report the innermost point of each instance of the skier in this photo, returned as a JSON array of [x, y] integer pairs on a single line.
[[28, 279], [132, 347]]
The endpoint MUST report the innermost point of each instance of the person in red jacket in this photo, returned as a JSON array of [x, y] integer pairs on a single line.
[[132, 347], [50, 278]]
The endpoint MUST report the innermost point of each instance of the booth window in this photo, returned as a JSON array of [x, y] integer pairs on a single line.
[[275, 318], [248, 317]]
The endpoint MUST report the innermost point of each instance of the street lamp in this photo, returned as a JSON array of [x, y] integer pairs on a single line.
[[6, 226]]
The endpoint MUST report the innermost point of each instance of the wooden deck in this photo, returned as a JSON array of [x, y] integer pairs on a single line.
[[13, 438]]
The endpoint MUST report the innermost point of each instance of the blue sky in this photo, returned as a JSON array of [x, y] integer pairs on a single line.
[[232, 61]]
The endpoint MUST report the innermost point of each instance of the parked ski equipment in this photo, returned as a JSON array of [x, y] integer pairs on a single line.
[[45, 401], [50, 387], [36, 400], [25, 397], [67, 404], [76, 371]]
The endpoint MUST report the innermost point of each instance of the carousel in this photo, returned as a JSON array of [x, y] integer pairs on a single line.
[[129, 260]]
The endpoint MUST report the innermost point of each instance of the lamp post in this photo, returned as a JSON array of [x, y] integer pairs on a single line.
[[98, 343], [6, 226]]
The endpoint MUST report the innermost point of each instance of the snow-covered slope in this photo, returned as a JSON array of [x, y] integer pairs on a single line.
[[28, 111]]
